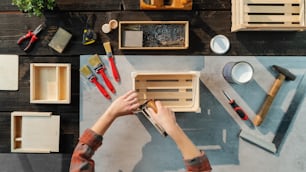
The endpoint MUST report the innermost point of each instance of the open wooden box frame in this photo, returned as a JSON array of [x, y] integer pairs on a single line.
[[34, 132], [50, 83], [154, 35], [258, 15], [177, 90]]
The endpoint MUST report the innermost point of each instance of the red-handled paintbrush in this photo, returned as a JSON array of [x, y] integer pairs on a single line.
[[99, 67], [92, 78], [110, 56]]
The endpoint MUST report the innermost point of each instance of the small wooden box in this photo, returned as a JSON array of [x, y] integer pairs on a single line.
[[178, 91], [271, 15], [157, 35], [50, 83], [34, 132]]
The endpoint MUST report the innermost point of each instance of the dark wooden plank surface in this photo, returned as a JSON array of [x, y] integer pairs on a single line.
[[203, 26], [6, 5], [89, 5], [20, 101], [5, 126], [117, 5]]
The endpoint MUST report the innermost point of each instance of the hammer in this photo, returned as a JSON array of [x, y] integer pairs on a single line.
[[284, 74]]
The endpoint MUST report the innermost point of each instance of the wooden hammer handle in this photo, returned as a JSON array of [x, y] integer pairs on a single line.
[[268, 101]]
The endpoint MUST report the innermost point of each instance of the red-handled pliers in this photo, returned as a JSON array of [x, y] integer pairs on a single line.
[[30, 35]]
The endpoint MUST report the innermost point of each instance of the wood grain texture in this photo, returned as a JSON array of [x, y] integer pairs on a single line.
[[5, 135], [50, 83], [256, 15], [118, 5], [20, 101], [34, 132], [208, 18], [178, 91], [6, 5], [203, 26]]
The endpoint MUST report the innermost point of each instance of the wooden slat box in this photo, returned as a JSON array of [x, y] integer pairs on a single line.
[[34, 132], [50, 83], [153, 35], [178, 91], [278, 15]]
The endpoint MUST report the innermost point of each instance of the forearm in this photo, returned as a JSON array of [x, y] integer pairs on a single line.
[[194, 159], [89, 142], [185, 145], [103, 123]]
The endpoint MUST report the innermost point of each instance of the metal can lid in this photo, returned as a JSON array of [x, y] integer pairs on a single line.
[[242, 72], [219, 44]]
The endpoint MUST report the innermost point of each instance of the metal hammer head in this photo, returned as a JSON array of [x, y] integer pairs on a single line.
[[285, 72]]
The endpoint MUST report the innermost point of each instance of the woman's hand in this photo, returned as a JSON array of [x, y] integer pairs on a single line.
[[164, 117], [124, 105]]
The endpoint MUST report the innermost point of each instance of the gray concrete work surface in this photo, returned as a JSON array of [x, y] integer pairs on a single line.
[[133, 145]]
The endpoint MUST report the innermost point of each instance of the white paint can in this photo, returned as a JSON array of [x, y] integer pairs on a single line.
[[238, 72], [219, 44]]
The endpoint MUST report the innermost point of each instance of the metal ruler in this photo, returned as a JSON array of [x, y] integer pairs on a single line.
[[288, 116]]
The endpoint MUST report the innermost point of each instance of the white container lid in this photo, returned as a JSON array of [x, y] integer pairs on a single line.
[[106, 28], [219, 44]]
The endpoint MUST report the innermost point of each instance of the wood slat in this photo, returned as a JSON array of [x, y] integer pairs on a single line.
[[272, 1], [164, 77], [276, 26], [271, 18], [89, 5], [269, 9], [6, 5], [162, 85], [165, 95], [178, 103]]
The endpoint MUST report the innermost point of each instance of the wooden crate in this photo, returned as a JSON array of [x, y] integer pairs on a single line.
[[50, 83], [171, 5], [178, 91], [273, 15], [34, 132], [154, 35]]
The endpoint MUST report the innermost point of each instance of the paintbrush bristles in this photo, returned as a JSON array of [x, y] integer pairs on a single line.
[[95, 61], [86, 72], [107, 47]]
